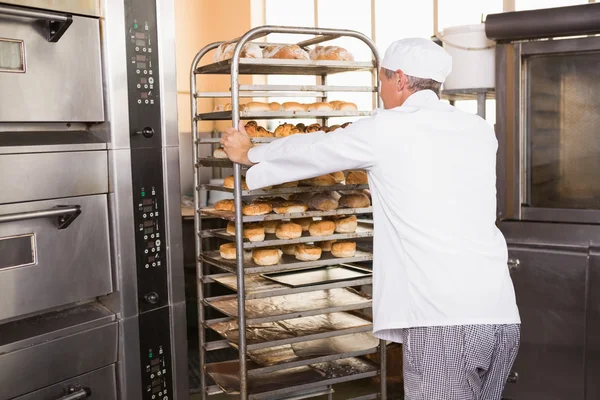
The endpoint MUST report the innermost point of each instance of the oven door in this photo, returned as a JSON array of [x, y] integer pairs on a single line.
[[549, 147], [53, 252]]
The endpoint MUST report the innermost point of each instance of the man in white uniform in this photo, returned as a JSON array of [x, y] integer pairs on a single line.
[[441, 285]]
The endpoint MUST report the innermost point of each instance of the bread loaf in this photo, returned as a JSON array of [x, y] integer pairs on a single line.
[[256, 106], [357, 177], [289, 249], [284, 130], [355, 200], [293, 106], [275, 106], [288, 230], [346, 224], [332, 53], [219, 152], [225, 51], [326, 245], [253, 232], [319, 107], [227, 251], [321, 228], [304, 222], [323, 180], [290, 52], [225, 205], [346, 106], [305, 252], [338, 176], [326, 201], [287, 185], [313, 128], [270, 226], [266, 256], [290, 207], [228, 183], [343, 249], [257, 209]]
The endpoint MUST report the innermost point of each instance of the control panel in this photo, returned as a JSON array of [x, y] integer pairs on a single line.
[[143, 88]]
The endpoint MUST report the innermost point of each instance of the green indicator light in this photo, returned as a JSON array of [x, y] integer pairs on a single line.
[[135, 26], [143, 194], [150, 355]]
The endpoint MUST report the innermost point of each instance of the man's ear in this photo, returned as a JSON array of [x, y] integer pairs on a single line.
[[400, 80]]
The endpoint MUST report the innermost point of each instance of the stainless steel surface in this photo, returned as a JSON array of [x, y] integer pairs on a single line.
[[73, 263], [52, 175], [289, 190], [259, 115], [77, 394], [63, 358], [592, 385], [317, 276], [100, 382], [179, 346], [129, 368], [56, 212], [49, 142], [63, 82], [81, 7], [264, 66], [228, 215]]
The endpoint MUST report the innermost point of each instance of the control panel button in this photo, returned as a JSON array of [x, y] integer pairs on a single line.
[[151, 298], [151, 80], [158, 242]]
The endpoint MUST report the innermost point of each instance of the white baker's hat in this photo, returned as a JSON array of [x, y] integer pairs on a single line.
[[418, 57]]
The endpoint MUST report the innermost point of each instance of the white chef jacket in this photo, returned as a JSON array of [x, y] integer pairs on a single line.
[[439, 259]]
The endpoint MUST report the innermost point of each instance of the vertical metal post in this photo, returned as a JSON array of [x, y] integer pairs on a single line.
[[481, 97], [325, 119], [383, 368]]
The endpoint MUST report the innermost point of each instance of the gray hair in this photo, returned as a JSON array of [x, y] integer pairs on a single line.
[[416, 84]]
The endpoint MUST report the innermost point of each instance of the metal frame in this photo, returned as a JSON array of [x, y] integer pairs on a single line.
[[234, 67], [512, 124]]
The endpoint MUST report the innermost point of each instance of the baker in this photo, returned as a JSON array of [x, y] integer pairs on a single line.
[[441, 285]]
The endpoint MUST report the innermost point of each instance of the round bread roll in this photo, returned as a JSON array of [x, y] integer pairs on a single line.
[[288, 230], [357, 177], [320, 106], [301, 127], [231, 228], [257, 209], [346, 225], [275, 106], [266, 256], [293, 106], [343, 249], [323, 180], [252, 232], [333, 128], [227, 251], [347, 106], [321, 228], [338, 176], [284, 130], [283, 51], [305, 182], [355, 200], [287, 185], [225, 51], [225, 205], [219, 152], [273, 201], [313, 128], [256, 106], [229, 183], [331, 53], [290, 207], [323, 202], [289, 249], [336, 104], [304, 222], [326, 245], [254, 130], [270, 226], [305, 252]]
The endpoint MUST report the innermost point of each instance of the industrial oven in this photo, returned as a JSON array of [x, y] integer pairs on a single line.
[[91, 273], [548, 118]]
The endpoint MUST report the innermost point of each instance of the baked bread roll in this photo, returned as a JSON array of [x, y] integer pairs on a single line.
[[323, 201], [225, 205], [303, 197], [257, 209], [290, 207], [229, 182], [225, 51], [284, 130], [253, 232], [219, 152], [331, 53], [255, 106], [288, 230], [357, 177], [305, 182], [323, 180], [347, 106], [273, 201], [336, 103], [227, 251], [266, 256], [227, 107], [301, 127], [304, 222], [319, 107], [321, 228], [287, 185], [313, 128], [254, 130], [343, 249], [293, 106], [270, 226], [355, 200], [333, 128], [326, 245], [289, 52], [338, 176], [275, 106], [305, 252], [345, 124], [346, 225], [289, 249]]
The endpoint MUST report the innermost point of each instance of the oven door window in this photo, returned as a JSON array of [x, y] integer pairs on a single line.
[[563, 125]]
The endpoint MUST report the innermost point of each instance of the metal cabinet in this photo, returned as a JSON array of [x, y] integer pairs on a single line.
[[550, 285]]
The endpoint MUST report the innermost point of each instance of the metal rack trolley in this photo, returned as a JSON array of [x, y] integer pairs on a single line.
[[238, 271]]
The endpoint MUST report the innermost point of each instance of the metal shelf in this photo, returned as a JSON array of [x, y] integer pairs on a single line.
[[230, 216], [288, 190], [247, 115], [363, 231], [254, 140], [267, 66]]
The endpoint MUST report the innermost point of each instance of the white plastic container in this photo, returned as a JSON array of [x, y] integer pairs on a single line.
[[473, 57]]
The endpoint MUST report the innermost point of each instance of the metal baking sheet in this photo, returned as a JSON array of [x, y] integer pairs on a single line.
[[288, 190], [294, 304], [261, 115], [268, 66], [270, 334], [318, 275], [363, 230], [287, 262], [254, 140], [227, 375], [230, 216]]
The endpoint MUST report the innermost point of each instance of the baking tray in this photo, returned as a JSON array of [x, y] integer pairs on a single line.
[[293, 305], [363, 230], [318, 275], [270, 334], [288, 190], [262, 115], [287, 262], [268, 66], [230, 215], [227, 376]]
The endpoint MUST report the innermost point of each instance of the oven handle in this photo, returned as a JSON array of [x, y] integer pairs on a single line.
[[65, 215], [77, 394], [56, 24]]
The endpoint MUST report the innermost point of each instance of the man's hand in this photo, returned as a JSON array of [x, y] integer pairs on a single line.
[[236, 144]]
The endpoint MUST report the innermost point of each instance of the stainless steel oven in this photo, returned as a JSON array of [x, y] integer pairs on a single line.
[[91, 272]]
